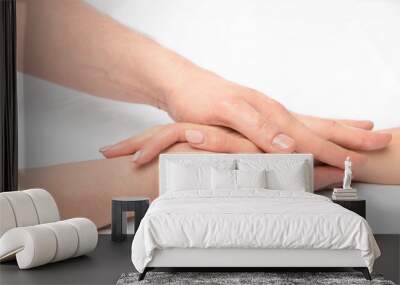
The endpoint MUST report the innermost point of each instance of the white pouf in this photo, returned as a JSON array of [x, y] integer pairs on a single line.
[[23, 208], [7, 218], [37, 245], [33, 246], [67, 240], [46, 207], [31, 232], [87, 233]]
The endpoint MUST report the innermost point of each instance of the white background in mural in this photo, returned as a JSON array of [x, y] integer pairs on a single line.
[[325, 58]]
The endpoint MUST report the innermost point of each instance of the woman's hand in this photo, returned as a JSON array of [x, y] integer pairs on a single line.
[[191, 137], [207, 99], [151, 143]]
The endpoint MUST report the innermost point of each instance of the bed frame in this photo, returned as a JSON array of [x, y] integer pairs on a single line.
[[238, 259]]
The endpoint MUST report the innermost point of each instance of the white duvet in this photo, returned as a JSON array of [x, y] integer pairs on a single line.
[[252, 218]]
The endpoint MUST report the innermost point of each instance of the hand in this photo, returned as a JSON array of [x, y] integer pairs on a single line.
[[148, 145], [220, 139], [133, 68], [205, 98], [152, 142]]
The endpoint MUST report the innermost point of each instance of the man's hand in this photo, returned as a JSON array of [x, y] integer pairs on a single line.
[[205, 98]]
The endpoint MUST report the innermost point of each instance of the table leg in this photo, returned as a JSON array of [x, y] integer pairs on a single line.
[[140, 211], [118, 223]]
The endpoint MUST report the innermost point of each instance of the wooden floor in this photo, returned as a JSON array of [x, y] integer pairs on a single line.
[[110, 260]]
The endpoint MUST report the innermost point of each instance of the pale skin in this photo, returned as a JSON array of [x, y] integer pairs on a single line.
[[86, 188], [70, 43], [382, 165]]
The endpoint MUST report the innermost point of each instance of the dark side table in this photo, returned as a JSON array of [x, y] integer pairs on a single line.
[[119, 207], [356, 206]]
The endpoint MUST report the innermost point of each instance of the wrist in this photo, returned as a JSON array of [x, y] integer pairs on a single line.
[[164, 73], [179, 79], [145, 72]]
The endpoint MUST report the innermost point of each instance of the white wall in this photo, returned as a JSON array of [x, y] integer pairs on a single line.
[[327, 58], [382, 206]]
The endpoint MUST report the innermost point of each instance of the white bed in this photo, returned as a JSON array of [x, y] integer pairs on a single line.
[[197, 224]]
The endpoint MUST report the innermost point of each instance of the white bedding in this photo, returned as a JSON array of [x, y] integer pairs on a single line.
[[251, 218]]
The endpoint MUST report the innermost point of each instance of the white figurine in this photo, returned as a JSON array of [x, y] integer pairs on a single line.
[[347, 192], [347, 174]]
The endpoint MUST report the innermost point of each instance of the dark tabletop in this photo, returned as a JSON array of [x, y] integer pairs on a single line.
[[130, 199], [111, 259]]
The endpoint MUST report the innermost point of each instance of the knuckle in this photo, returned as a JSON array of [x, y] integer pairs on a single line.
[[278, 114], [167, 129], [330, 129], [173, 131], [176, 127], [262, 124], [276, 107], [225, 109], [266, 129], [154, 129]]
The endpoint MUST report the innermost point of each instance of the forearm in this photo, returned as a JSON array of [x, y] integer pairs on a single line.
[[72, 44], [85, 189], [383, 166]]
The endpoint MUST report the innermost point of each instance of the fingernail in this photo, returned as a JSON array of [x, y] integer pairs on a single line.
[[105, 148], [282, 141], [136, 156], [193, 136], [370, 124]]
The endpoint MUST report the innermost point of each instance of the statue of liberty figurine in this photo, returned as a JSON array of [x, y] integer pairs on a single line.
[[347, 174]]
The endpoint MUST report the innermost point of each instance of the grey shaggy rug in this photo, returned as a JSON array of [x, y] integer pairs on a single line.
[[269, 278]]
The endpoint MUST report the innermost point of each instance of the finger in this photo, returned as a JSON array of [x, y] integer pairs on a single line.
[[356, 138], [343, 133], [130, 145], [160, 141], [309, 120], [262, 131], [347, 136], [361, 124], [217, 139], [306, 140], [323, 150], [326, 175], [208, 138]]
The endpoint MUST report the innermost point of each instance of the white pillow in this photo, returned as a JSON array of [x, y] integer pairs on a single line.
[[223, 179], [281, 174], [184, 177], [235, 179], [251, 178], [187, 175]]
